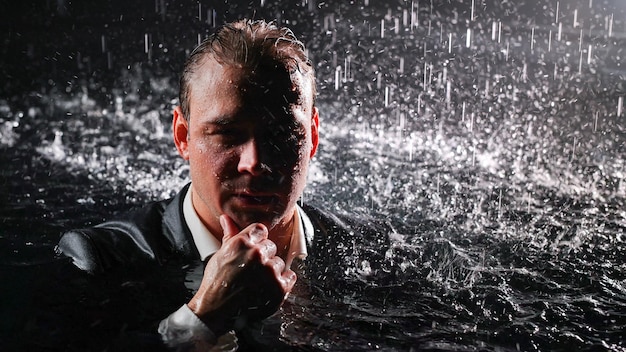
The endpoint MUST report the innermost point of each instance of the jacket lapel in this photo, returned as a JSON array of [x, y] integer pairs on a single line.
[[175, 228]]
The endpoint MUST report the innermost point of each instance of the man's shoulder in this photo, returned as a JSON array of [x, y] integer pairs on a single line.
[[143, 235]]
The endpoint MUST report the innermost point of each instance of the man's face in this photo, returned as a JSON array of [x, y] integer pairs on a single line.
[[249, 141]]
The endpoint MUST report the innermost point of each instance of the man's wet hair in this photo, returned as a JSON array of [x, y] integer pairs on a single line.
[[250, 44]]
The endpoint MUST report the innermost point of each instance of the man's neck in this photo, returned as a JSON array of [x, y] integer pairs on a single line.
[[281, 235]]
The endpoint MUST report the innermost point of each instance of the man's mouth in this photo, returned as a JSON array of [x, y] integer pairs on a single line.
[[252, 199]]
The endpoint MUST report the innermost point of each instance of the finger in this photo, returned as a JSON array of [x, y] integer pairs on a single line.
[[277, 265], [256, 232], [229, 227], [285, 276], [288, 280], [268, 249]]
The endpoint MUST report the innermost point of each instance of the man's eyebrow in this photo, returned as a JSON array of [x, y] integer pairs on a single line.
[[220, 121]]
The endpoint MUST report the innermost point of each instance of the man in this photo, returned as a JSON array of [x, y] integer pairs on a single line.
[[248, 126]]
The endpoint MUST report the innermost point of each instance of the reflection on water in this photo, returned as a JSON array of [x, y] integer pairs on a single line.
[[489, 136]]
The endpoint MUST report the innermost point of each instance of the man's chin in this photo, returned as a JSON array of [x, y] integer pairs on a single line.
[[244, 218]]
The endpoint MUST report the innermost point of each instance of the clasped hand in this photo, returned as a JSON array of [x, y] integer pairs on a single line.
[[243, 281]]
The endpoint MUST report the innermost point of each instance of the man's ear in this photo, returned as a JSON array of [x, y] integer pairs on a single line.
[[180, 131], [315, 127]]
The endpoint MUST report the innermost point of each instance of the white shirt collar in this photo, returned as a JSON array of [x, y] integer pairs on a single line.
[[208, 244]]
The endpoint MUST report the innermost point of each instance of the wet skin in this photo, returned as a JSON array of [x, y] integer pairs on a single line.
[[248, 141]]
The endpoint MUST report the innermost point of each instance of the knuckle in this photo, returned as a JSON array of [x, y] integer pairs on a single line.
[[255, 253], [279, 265], [257, 232]]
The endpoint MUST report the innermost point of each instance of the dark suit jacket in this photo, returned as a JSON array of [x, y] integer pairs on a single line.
[[157, 233], [141, 263]]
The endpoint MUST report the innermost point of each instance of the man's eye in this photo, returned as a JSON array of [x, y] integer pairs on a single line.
[[225, 132], [228, 136]]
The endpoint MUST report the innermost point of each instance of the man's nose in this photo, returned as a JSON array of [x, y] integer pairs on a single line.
[[250, 159]]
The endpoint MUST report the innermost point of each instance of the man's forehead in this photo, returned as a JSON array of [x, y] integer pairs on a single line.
[[272, 82]]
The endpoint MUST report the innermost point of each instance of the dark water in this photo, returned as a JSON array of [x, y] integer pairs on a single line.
[[498, 160]]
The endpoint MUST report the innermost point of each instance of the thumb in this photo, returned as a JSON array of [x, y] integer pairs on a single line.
[[229, 227]]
